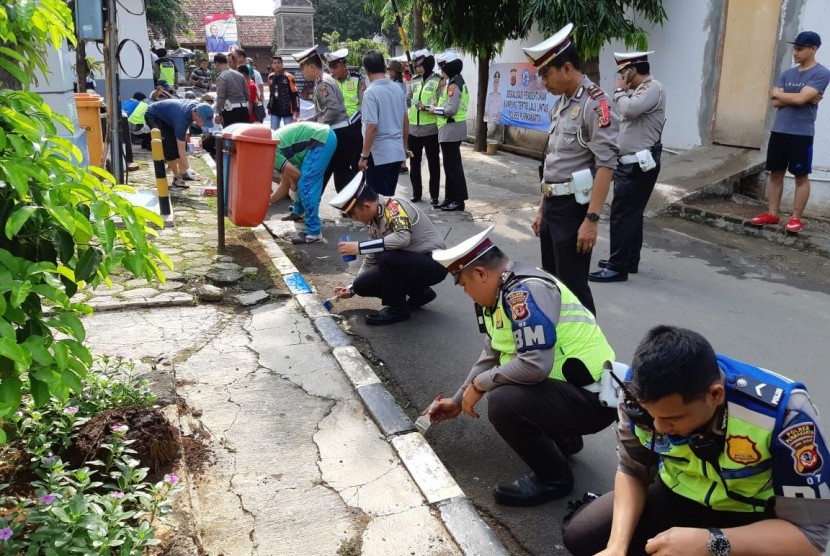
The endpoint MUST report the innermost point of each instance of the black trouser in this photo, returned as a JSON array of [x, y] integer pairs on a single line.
[[552, 408], [632, 188], [561, 218], [346, 156], [455, 189], [588, 531], [237, 115], [398, 274], [429, 144], [383, 178]]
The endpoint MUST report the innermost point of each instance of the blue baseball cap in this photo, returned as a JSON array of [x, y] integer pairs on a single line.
[[205, 112], [807, 38]]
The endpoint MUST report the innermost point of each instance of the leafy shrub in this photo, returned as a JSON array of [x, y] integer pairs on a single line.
[[58, 222]]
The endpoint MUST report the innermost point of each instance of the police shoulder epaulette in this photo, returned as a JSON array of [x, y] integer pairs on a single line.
[[770, 395], [595, 92]]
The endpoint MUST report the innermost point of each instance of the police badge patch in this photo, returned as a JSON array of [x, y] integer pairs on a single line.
[[801, 440], [517, 300], [741, 449]]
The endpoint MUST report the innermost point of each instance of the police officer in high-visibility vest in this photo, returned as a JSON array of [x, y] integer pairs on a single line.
[[424, 91], [543, 359], [452, 129], [330, 110], [166, 69], [737, 453], [352, 85], [580, 159]]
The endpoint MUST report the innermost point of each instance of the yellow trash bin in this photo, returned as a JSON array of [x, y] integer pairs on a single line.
[[89, 118]]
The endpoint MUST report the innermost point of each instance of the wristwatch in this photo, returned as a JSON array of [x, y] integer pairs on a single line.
[[718, 543], [364, 157], [592, 216]]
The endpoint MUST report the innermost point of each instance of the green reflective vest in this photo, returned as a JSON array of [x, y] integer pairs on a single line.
[[577, 334], [746, 461], [167, 71], [461, 115], [137, 117], [350, 87], [424, 91]]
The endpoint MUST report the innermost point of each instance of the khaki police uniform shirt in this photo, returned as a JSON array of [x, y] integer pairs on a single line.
[[583, 133], [529, 367], [642, 116], [400, 224], [812, 516], [455, 131], [328, 101], [231, 87]]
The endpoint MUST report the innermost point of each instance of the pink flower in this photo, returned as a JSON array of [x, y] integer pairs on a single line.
[[72, 409], [6, 534], [172, 479], [48, 498], [119, 428], [118, 494]]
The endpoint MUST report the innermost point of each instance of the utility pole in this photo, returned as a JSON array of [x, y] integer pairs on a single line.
[[113, 106]]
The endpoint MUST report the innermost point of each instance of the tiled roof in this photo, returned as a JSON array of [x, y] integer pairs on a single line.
[[253, 30]]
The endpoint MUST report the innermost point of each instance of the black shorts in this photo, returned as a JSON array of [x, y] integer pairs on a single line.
[[168, 138], [790, 152]]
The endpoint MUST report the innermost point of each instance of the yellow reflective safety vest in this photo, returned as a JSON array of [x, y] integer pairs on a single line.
[[461, 115], [577, 333], [423, 91], [350, 87], [740, 480], [137, 117], [167, 71]]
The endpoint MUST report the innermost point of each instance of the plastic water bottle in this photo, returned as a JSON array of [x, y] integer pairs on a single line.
[[347, 258]]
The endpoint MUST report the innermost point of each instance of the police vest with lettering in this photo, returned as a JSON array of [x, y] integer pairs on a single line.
[[755, 404], [577, 334], [423, 90], [350, 87], [461, 115]]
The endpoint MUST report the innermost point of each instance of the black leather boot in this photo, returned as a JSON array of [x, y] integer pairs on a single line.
[[550, 478]]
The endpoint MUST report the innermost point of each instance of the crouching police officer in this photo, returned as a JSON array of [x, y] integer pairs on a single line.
[[737, 452], [398, 267], [543, 358]]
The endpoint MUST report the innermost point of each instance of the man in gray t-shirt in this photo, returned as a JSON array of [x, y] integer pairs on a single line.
[[796, 96], [385, 127]]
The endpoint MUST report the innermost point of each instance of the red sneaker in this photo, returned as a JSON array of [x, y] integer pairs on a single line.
[[763, 219], [794, 225]]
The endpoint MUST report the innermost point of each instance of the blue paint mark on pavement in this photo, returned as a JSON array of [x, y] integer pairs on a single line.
[[297, 284]]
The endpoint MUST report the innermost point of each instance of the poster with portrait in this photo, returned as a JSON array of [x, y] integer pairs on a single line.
[[517, 98], [220, 33]]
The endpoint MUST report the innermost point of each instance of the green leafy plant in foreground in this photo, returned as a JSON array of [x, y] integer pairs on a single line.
[[58, 222], [104, 507]]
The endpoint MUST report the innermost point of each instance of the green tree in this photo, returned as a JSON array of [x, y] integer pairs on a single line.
[[458, 23], [595, 23], [167, 18], [348, 17], [356, 48], [58, 228]]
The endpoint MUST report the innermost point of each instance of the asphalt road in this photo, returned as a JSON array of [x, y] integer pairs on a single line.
[[756, 301]]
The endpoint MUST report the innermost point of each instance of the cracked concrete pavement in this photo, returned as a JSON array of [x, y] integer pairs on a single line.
[[300, 468]]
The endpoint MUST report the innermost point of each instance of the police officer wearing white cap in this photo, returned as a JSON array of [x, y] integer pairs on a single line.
[[352, 85], [541, 367], [641, 104], [398, 267], [331, 110], [424, 90], [580, 159]]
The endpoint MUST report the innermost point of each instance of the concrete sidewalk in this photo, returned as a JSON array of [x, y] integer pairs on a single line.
[[310, 453]]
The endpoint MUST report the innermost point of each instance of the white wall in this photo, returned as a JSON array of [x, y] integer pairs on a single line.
[[132, 27]]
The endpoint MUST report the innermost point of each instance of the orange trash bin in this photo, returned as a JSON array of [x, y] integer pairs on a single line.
[[89, 118], [251, 165]]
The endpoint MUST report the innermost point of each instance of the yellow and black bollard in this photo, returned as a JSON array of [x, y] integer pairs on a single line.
[[161, 173]]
